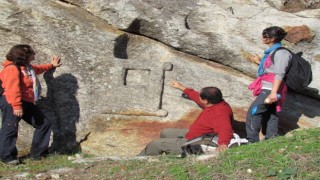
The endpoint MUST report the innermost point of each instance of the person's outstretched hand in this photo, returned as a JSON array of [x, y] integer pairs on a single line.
[[56, 61], [255, 58], [177, 85]]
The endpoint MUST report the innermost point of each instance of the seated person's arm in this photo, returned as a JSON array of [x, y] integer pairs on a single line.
[[222, 147], [192, 94], [224, 131]]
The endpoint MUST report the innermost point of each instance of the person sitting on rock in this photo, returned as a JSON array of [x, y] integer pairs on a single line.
[[216, 118]]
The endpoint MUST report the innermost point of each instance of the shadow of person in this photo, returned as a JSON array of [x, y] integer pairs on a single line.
[[64, 111], [298, 108], [239, 128]]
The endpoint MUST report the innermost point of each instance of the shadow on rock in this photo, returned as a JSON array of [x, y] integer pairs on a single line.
[[239, 127], [294, 107], [120, 47], [63, 110]]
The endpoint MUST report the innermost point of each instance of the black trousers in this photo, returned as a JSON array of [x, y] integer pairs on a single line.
[[9, 130], [263, 117]]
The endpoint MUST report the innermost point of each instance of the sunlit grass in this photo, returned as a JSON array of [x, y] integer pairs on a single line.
[[292, 157]]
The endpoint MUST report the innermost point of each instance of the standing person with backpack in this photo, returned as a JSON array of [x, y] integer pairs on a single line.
[[269, 87], [21, 90]]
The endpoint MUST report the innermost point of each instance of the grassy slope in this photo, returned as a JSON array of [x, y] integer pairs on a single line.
[[292, 157]]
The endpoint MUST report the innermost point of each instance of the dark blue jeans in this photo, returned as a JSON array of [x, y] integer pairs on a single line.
[[263, 117], [9, 130]]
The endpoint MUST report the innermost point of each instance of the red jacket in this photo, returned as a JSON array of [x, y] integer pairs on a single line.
[[216, 119], [17, 89]]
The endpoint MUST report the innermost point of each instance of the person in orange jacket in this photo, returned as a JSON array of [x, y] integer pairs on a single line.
[[22, 90]]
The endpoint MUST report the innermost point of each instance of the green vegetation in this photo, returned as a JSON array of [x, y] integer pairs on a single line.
[[292, 157]]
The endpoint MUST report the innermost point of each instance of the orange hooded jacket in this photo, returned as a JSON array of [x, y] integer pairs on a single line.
[[18, 86]]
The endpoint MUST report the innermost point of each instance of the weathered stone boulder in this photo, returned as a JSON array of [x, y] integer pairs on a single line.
[[298, 34], [111, 96], [221, 31]]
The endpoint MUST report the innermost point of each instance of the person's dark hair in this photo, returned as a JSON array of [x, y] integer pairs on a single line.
[[19, 54], [274, 32], [212, 94]]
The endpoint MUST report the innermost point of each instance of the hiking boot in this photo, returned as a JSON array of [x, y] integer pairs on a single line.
[[13, 162]]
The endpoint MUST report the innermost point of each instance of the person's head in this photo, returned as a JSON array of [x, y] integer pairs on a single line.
[[212, 94], [274, 32], [21, 54]]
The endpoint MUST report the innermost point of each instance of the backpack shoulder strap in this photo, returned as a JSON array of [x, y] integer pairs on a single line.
[[274, 52]]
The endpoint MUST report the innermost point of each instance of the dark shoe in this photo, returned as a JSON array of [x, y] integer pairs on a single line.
[[13, 162], [38, 158]]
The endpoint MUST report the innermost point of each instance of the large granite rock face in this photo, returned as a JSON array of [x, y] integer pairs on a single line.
[[111, 96], [222, 31]]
